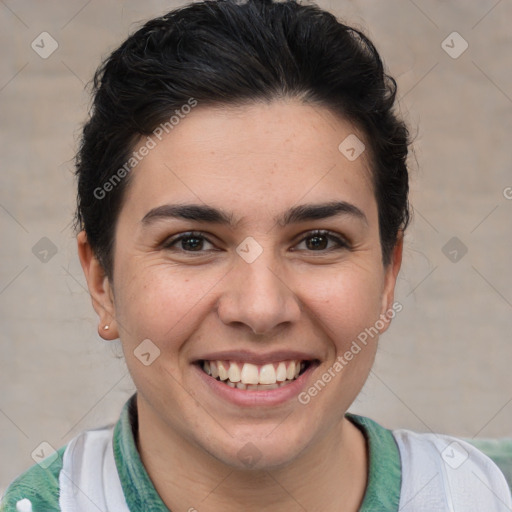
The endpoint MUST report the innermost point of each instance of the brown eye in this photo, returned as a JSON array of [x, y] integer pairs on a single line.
[[318, 241], [190, 242]]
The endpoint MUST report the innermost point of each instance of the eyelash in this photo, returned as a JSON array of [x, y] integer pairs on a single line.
[[341, 243]]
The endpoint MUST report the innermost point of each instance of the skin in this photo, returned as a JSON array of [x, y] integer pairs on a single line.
[[255, 161]]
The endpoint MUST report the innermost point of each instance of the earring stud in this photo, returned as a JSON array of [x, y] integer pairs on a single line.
[[106, 327]]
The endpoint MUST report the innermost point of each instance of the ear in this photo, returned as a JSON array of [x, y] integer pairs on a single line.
[[391, 275], [100, 288]]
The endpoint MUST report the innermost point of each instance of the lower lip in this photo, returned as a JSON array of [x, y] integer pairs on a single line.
[[265, 397]]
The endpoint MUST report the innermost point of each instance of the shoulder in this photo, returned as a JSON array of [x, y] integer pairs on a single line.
[[454, 453], [47, 483], [39, 484], [438, 464], [500, 451]]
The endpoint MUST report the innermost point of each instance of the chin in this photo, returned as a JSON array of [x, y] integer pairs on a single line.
[[263, 451]]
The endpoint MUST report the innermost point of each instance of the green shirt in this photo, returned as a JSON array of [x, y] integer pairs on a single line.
[[41, 486]]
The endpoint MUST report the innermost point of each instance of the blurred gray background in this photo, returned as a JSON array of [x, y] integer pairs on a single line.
[[444, 365]]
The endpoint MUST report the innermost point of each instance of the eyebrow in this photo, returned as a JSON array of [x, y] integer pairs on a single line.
[[296, 214]]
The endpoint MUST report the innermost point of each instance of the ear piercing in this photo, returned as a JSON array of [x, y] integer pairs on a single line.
[[106, 327]]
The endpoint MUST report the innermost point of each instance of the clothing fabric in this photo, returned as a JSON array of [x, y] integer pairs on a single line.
[[441, 473], [101, 470]]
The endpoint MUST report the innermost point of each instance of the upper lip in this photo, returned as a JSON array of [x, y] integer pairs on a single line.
[[247, 356]]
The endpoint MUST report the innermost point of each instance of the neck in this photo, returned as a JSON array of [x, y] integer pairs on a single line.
[[330, 475]]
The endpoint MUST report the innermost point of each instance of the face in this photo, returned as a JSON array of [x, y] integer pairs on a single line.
[[274, 272]]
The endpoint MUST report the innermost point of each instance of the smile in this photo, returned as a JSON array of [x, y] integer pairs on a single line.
[[253, 377]]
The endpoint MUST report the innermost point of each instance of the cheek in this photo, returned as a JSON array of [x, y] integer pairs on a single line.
[[346, 308], [344, 305], [162, 303]]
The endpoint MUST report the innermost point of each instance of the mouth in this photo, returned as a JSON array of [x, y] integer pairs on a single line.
[[255, 377]]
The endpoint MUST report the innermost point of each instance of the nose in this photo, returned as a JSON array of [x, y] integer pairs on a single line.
[[259, 295]]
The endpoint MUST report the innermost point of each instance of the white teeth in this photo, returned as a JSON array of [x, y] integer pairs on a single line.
[[249, 374], [223, 370], [281, 372], [290, 372], [267, 374], [234, 372]]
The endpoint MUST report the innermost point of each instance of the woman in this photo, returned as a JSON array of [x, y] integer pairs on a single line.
[[242, 200]]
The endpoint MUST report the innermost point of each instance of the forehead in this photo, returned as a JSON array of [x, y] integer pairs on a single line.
[[260, 156]]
